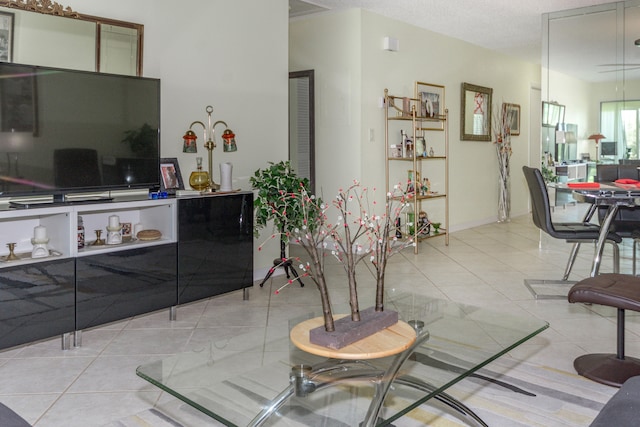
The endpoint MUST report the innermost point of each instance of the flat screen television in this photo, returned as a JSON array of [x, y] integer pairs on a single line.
[[608, 148], [66, 131]]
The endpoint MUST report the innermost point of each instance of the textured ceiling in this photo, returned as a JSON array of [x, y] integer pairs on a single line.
[[512, 27]]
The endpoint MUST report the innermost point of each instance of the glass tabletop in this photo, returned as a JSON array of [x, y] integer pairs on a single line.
[[257, 387]]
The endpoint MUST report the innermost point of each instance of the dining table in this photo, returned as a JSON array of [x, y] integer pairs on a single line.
[[613, 195]]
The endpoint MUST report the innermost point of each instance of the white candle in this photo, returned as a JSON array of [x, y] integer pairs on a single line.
[[40, 233], [114, 221]]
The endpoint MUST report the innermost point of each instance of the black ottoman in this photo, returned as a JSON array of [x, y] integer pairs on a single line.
[[615, 290]]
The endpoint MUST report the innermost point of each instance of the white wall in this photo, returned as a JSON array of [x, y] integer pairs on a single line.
[[213, 52], [352, 71]]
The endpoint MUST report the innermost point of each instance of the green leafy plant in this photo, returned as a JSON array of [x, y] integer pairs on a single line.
[[279, 198]]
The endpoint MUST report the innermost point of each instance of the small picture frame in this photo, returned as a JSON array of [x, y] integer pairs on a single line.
[[431, 98], [6, 36], [512, 114], [126, 231], [170, 176]]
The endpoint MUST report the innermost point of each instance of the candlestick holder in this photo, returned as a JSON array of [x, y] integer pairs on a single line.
[[98, 241], [12, 256]]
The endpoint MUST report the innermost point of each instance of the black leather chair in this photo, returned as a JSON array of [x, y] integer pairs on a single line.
[[627, 221], [572, 232]]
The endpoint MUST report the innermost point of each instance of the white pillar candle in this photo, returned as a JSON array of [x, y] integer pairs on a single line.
[[114, 221], [136, 229], [40, 233]]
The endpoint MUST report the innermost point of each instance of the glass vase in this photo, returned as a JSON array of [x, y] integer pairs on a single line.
[[504, 199], [199, 179]]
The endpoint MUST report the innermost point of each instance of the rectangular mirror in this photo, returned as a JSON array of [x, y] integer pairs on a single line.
[[475, 120]]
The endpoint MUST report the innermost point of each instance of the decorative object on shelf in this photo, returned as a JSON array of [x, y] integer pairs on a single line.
[[114, 233], [39, 242], [148, 235], [229, 144], [137, 228], [199, 179], [12, 255], [421, 147], [171, 178], [475, 119], [98, 241], [424, 225], [502, 129], [431, 98], [80, 233], [126, 231], [597, 137], [226, 169], [436, 227], [513, 114], [431, 152]]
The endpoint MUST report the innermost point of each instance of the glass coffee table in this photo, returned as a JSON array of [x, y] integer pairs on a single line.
[[452, 342]]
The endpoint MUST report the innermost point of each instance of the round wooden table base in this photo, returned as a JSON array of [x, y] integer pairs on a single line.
[[387, 342]]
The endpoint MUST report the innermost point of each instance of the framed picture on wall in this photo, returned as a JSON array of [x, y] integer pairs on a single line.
[[6, 36], [511, 113], [171, 179], [431, 98]]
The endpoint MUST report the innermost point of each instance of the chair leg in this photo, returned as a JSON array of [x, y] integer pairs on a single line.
[[635, 249], [572, 259], [616, 258]]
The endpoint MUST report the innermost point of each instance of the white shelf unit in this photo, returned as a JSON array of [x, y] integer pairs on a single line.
[[17, 226], [158, 215], [434, 167]]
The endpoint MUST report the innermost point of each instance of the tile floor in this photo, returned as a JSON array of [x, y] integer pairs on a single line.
[[96, 384]]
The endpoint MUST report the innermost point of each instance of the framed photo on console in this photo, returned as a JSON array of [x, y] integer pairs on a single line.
[[170, 176]]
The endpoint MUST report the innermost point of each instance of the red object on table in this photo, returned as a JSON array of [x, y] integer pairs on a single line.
[[583, 185]]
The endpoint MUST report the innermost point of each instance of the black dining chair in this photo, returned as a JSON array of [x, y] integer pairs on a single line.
[[572, 232]]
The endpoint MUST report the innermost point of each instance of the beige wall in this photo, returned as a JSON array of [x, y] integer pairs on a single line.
[[214, 52], [352, 71]]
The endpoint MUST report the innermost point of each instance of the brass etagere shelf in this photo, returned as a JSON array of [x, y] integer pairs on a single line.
[[406, 150]]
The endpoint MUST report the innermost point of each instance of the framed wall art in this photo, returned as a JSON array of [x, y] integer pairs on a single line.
[[431, 98], [475, 113], [511, 113]]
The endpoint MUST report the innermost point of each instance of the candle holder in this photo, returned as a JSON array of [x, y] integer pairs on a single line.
[[114, 235], [98, 241], [40, 249], [12, 256]]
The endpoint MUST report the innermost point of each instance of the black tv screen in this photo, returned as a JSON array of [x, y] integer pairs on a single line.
[[65, 131], [608, 148]]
